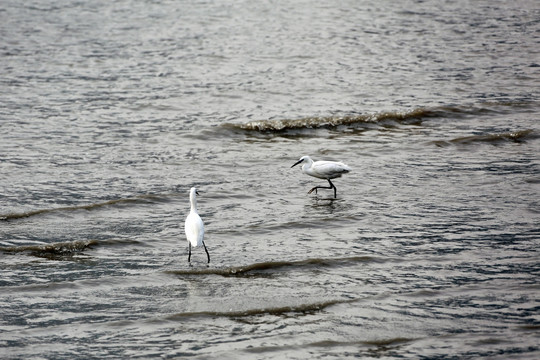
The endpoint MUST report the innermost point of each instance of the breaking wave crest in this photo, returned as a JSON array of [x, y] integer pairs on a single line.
[[268, 267], [387, 119], [383, 118]]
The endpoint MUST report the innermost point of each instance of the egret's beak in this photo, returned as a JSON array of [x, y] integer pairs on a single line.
[[197, 192], [298, 162]]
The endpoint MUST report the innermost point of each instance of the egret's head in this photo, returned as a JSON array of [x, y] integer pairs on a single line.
[[302, 159]]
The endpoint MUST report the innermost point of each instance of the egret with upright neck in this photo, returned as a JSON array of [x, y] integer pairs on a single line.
[[323, 170], [194, 225]]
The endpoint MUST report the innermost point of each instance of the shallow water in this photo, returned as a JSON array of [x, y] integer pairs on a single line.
[[112, 111]]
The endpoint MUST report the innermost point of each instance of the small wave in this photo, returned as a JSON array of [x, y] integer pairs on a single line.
[[516, 136], [15, 216], [265, 267], [302, 308], [58, 250]]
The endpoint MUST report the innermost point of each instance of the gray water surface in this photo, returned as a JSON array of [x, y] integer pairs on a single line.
[[111, 111]]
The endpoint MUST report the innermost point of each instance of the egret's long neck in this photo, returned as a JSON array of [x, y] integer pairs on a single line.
[[193, 200], [307, 165]]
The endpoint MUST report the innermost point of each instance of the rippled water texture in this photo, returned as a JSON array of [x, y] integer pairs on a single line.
[[112, 110]]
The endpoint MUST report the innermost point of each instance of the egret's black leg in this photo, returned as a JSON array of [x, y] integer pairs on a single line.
[[323, 187], [333, 186], [207, 254], [189, 256]]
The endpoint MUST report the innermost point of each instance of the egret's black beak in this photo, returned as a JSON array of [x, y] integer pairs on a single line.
[[298, 162], [197, 192]]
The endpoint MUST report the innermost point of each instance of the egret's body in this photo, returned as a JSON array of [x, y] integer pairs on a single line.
[[323, 170], [194, 225]]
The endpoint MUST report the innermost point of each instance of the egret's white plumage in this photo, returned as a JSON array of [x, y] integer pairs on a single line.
[[323, 170], [194, 225]]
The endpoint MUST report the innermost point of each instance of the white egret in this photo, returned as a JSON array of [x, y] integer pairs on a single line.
[[323, 170], [194, 225]]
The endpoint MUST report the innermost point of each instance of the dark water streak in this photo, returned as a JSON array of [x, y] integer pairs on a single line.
[[516, 137], [270, 267], [277, 311], [138, 200]]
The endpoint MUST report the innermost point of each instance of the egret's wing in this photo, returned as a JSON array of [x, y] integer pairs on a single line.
[[330, 167]]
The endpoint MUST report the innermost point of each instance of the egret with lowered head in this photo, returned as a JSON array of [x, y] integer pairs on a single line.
[[323, 170], [194, 225]]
